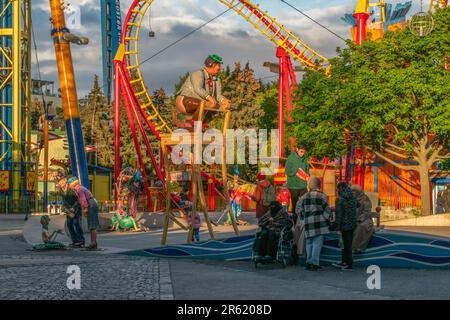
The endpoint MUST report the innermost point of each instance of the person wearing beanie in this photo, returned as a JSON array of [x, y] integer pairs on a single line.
[[346, 209], [297, 172], [314, 210], [72, 208]]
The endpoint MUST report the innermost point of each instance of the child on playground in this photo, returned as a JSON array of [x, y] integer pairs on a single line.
[[197, 225], [236, 199], [46, 236], [284, 197]]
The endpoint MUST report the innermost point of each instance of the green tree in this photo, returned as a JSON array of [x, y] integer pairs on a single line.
[[98, 127], [268, 100], [163, 104], [242, 88], [393, 94]]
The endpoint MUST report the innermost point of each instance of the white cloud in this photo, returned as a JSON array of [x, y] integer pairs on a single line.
[[230, 36]]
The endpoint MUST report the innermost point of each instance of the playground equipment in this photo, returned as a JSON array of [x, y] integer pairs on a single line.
[[49, 240], [129, 83], [122, 223], [167, 142], [391, 249], [60, 36]]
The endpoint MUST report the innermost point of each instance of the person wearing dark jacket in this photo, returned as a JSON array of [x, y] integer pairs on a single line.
[[315, 210], [346, 221], [270, 226]]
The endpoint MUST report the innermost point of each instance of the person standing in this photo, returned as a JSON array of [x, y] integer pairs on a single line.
[[315, 211], [265, 193], [297, 172], [345, 223], [135, 187], [446, 199], [196, 227], [89, 208], [284, 197], [364, 229], [439, 203]]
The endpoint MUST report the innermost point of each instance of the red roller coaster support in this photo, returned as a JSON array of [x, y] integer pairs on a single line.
[[361, 17], [116, 130], [282, 56], [361, 20]]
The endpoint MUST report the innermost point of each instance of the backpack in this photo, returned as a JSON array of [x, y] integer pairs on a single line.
[[269, 195]]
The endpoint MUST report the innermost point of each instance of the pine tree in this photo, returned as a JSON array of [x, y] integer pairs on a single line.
[[98, 127], [163, 104], [242, 88]]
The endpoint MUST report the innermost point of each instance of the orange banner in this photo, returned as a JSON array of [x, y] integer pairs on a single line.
[[31, 178], [4, 180]]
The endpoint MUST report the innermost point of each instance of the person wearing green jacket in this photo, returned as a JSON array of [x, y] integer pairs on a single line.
[[297, 186]]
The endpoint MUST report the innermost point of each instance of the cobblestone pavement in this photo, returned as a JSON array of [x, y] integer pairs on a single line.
[[31, 275], [105, 277]]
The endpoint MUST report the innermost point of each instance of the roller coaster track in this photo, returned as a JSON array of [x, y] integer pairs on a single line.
[[133, 81]]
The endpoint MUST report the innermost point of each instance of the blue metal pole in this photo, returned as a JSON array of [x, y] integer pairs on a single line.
[[111, 34]]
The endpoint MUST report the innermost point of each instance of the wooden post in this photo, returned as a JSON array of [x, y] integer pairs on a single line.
[[166, 217], [224, 172], [194, 201], [204, 205]]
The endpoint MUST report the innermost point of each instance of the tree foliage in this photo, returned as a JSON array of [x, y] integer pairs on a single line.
[[242, 88], [393, 94], [98, 127]]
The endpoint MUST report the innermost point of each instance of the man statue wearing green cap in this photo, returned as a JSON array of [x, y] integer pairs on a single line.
[[201, 85]]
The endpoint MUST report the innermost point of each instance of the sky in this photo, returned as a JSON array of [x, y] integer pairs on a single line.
[[230, 36]]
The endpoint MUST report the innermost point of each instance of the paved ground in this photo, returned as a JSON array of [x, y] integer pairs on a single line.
[[26, 274], [43, 275], [240, 280]]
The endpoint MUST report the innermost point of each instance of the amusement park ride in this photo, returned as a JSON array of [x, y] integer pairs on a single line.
[[122, 69]]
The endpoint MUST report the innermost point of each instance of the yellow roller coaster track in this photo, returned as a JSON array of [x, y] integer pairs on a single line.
[[267, 25], [131, 59]]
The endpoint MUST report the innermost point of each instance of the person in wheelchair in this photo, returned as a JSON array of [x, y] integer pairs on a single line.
[[202, 85], [270, 228]]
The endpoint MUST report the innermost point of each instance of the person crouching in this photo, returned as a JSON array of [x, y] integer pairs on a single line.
[[89, 209]]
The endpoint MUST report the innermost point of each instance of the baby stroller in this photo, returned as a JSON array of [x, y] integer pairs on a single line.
[[273, 247]]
